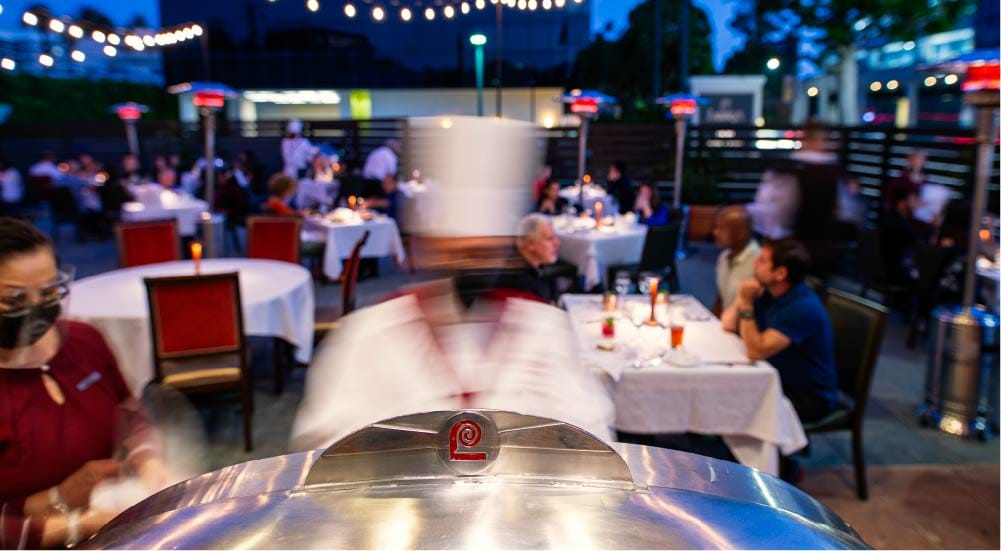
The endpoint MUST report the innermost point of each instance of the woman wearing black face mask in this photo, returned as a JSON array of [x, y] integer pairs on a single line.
[[63, 404]]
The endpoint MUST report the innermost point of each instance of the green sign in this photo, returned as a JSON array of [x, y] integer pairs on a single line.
[[361, 104]]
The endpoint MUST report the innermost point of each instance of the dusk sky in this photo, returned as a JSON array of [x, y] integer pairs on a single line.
[[615, 12]]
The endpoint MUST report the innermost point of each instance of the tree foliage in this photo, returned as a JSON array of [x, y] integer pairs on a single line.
[[96, 17], [623, 68], [842, 24], [37, 99]]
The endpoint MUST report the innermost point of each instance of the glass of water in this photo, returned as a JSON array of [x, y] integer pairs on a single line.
[[622, 284]]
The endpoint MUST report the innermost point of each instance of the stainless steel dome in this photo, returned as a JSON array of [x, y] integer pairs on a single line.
[[479, 479]]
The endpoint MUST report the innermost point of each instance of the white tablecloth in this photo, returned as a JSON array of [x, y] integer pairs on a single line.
[[185, 208], [277, 302], [743, 403], [593, 251], [384, 240]]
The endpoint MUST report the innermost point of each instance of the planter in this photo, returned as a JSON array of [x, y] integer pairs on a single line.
[[701, 220]]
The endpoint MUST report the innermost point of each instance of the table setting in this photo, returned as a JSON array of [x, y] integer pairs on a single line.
[[671, 368], [343, 227], [593, 193]]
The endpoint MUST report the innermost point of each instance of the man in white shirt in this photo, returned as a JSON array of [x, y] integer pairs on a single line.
[[382, 161], [46, 166], [297, 151], [736, 260]]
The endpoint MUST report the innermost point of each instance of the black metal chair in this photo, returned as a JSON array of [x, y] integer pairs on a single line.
[[659, 254], [931, 261], [858, 326], [874, 270]]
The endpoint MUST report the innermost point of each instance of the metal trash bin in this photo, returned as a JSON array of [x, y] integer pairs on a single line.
[[962, 372], [212, 229]]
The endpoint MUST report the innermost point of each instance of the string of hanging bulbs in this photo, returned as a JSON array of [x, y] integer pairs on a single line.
[[380, 11]]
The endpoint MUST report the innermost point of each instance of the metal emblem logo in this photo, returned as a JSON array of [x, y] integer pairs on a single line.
[[468, 442]]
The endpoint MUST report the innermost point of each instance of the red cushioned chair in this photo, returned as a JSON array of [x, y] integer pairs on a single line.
[[199, 346], [150, 242], [273, 238]]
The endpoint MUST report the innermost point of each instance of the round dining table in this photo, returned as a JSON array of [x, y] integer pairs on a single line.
[[159, 204], [277, 302]]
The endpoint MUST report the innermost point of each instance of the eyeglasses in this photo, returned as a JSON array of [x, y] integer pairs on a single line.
[[14, 299]]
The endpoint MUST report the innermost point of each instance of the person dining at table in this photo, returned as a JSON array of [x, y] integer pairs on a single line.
[[781, 320], [735, 262], [620, 186], [537, 246], [550, 202], [67, 419], [649, 208], [384, 197], [281, 188]]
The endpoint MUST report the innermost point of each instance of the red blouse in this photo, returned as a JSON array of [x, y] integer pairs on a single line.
[[42, 442], [278, 207]]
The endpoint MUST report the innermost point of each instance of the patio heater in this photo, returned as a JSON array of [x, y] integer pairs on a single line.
[[586, 104], [209, 98], [129, 113], [962, 370], [680, 107]]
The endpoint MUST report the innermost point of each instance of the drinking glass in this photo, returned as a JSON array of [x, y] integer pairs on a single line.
[[676, 323], [622, 284]]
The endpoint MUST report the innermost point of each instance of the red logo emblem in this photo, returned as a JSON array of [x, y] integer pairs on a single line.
[[465, 435]]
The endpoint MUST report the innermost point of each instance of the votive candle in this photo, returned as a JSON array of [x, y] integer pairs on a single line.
[[597, 212], [196, 255]]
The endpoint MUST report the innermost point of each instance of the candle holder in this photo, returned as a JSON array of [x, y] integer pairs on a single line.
[[654, 283]]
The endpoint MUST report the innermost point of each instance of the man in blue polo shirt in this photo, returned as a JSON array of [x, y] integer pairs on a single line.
[[782, 321]]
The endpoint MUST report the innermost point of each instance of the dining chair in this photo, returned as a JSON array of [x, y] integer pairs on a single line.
[[273, 238], [874, 269], [660, 250], [857, 325], [325, 318], [199, 347], [149, 242], [930, 261]]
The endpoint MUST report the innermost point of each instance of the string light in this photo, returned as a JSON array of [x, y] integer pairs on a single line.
[[46, 60], [110, 51], [349, 10], [98, 37], [378, 13], [429, 14], [464, 8], [313, 5], [114, 40], [56, 26], [7, 64], [406, 14], [449, 12], [75, 31], [78, 56], [29, 18]]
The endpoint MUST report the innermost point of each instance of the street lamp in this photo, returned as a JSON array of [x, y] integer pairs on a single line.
[[209, 97], [586, 104], [478, 41], [129, 113]]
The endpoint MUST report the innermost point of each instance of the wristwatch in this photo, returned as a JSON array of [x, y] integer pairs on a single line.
[[746, 314], [56, 502]]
